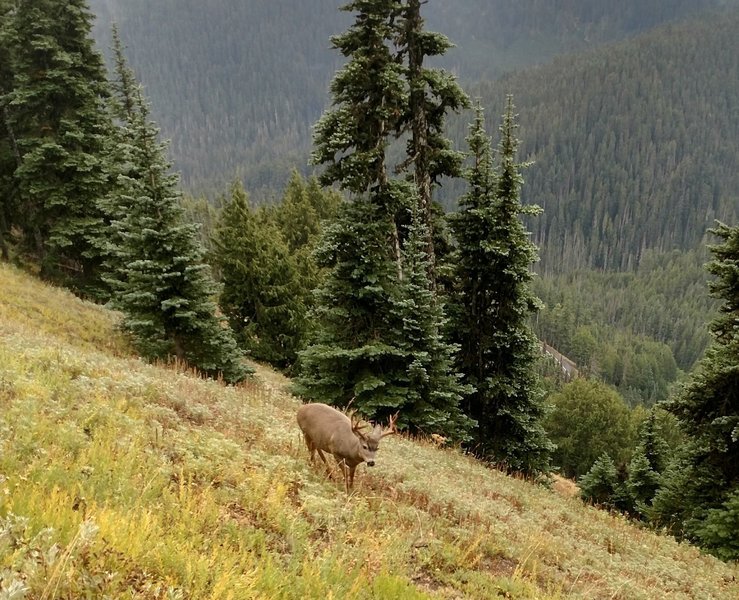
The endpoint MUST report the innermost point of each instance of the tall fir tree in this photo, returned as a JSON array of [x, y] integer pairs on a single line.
[[377, 341], [369, 100], [432, 94], [56, 111], [433, 403], [159, 279], [260, 287], [493, 306], [354, 355], [708, 410], [369, 97], [650, 460]]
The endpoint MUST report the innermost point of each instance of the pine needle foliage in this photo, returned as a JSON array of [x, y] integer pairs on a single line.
[[161, 283], [369, 97], [493, 306], [354, 354], [708, 410], [436, 392], [54, 114], [261, 293]]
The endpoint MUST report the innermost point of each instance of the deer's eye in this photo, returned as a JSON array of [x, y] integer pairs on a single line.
[[365, 446]]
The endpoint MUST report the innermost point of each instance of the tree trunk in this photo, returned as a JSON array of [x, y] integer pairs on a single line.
[[419, 130]]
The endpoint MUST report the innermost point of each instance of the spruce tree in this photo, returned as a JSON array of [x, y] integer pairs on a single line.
[[601, 484], [354, 354], [369, 97], [56, 111], [160, 281], [369, 100], [432, 94], [647, 465], [377, 341], [708, 410], [493, 305], [433, 403], [260, 293], [302, 209]]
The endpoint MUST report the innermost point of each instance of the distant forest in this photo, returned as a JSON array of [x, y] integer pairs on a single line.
[[635, 144]]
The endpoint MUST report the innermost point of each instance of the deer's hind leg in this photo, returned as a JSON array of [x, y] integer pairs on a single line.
[[311, 448], [329, 469]]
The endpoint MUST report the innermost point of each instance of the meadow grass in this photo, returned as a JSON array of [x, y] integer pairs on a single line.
[[120, 479]]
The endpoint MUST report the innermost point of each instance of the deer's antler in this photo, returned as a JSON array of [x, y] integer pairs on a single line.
[[356, 421], [391, 428]]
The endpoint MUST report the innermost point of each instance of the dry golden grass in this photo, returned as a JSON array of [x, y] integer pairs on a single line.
[[120, 479]]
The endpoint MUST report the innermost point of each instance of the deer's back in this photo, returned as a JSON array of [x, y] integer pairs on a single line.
[[327, 428]]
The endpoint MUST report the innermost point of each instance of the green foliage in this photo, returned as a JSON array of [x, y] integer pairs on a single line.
[[600, 485], [301, 215], [304, 207], [435, 389], [653, 168], [589, 419], [56, 125], [260, 292], [8, 151], [378, 325], [369, 96], [247, 62], [642, 482], [708, 407], [718, 533], [160, 281], [432, 93], [492, 306], [355, 350], [635, 330], [376, 341]]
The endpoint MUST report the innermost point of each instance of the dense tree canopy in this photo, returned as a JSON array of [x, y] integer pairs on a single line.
[[56, 126], [708, 410]]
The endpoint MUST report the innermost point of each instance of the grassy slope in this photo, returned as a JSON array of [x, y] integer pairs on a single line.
[[124, 480]]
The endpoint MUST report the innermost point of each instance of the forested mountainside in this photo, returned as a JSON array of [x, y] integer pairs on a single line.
[[636, 146], [238, 84]]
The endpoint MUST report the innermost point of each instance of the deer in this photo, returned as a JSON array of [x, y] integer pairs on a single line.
[[326, 429]]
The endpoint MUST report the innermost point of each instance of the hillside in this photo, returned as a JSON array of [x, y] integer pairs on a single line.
[[238, 84], [636, 145], [124, 480]]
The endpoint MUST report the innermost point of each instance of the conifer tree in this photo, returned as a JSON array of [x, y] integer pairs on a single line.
[[9, 156], [493, 305], [377, 342], [432, 94], [647, 465], [260, 293], [56, 113], [369, 100], [708, 410], [354, 355], [160, 282], [433, 403], [601, 484], [302, 209]]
